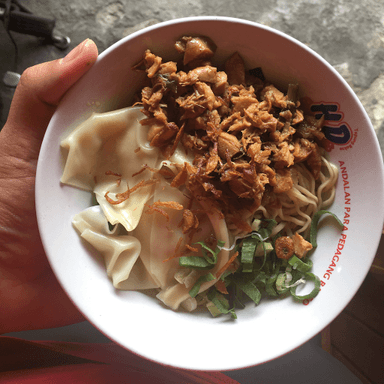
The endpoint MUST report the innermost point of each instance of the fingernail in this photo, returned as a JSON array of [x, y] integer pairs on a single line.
[[76, 51]]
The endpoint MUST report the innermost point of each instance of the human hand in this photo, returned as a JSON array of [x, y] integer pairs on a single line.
[[30, 296]]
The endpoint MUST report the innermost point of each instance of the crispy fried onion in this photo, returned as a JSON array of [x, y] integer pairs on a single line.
[[189, 222], [159, 205], [227, 265], [111, 173], [162, 171], [121, 197]]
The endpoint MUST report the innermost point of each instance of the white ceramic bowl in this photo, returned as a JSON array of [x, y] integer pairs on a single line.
[[275, 327]]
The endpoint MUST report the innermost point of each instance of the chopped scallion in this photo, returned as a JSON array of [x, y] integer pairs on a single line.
[[260, 271], [307, 276], [315, 222], [221, 303], [248, 250], [202, 279], [194, 262], [206, 250], [298, 264], [249, 289]]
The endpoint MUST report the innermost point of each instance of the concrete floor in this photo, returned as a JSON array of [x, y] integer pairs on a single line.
[[348, 34]]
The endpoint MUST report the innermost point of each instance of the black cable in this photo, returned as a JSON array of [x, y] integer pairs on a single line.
[[8, 6]]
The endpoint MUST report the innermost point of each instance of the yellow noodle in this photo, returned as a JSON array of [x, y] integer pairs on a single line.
[[303, 200]]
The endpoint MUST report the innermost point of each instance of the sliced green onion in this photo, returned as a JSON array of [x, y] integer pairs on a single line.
[[213, 309], [266, 230], [249, 289], [263, 248], [270, 286], [221, 303], [194, 262], [263, 233], [261, 277], [271, 224], [256, 225], [202, 279], [267, 248], [205, 250], [315, 222], [206, 262], [281, 282], [247, 267], [270, 274], [313, 293], [299, 265], [248, 249]]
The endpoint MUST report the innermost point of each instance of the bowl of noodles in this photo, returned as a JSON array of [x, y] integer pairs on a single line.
[[210, 188]]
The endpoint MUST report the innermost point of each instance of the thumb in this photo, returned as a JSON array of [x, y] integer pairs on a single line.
[[40, 90]]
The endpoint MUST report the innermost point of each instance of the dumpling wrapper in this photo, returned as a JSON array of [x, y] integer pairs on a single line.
[[116, 142], [111, 142], [136, 261], [120, 251]]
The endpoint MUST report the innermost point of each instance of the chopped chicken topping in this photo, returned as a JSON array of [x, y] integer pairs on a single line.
[[246, 135], [195, 48], [301, 245]]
